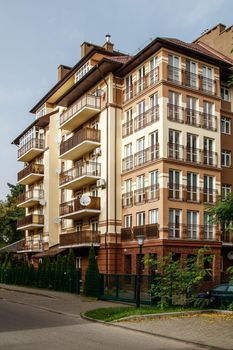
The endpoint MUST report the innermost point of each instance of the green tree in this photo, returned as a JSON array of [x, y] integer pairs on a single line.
[[222, 212], [92, 275], [71, 261], [177, 281], [9, 214]]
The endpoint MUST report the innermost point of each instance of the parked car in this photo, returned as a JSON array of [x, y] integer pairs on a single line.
[[219, 295]]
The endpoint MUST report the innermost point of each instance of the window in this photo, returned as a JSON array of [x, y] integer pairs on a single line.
[[191, 111], [225, 93], [82, 71], [140, 158], [191, 73], [174, 108], [153, 113], [128, 115], [128, 161], [140, 191], [128, 150], [207, 82], [192, 194], [226, 158], [94, 224], [226, 189], [128, 220], [191, 148], [41, 112], [174, 223], [128, 87], [128, 197], [174, 144], [140, 218], [208, 189], [153, 70], [173, 68], [140, 120], [141, 79], [174, 184], [153, 190], [208, 118], [192, 222], [153, 216], [153, 143], [226, 125], [208, 151], [128, 123], [208, 226]]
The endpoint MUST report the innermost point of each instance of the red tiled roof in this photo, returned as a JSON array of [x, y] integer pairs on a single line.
[[199, 49]]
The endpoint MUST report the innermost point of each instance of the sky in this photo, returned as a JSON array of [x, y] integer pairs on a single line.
[[36, 36]]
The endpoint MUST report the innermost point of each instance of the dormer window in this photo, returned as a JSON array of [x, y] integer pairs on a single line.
[[82, 71]]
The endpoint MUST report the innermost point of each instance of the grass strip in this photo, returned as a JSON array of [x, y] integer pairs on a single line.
[[115, 313]]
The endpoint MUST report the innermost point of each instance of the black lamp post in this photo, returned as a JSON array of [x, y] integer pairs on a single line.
[[140, 239]]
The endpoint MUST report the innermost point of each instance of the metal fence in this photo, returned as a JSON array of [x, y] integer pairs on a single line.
[[123, 288], [56, 280]]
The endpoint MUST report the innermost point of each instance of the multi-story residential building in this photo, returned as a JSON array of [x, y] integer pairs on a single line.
[[126, 145]]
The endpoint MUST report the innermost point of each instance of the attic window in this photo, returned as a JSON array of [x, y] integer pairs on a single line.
[[41, 112], [82, 71]]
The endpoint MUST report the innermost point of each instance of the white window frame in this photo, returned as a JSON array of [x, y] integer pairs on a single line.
[[128, 221], [225, 125], [153, 216], [225, 93], [82, 71], [225, 190], [140, 218], [226, 158]]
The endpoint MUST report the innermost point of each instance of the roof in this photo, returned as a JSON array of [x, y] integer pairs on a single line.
[[13, 247], [41, 122], [199, 48], [52, 251]]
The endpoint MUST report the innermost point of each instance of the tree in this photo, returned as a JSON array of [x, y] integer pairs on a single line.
[[9, 214], [70, 261], [91, 285], [177, 281]]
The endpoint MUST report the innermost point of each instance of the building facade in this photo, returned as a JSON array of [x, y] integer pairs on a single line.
[[127, 145]]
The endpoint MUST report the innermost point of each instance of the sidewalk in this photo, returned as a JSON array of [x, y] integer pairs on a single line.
[[211, 330]]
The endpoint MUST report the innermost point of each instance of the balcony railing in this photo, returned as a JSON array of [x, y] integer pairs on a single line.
[[191, 80], [80, 238], [85, 134], [127, 163], [175, 191], [150, 231], [35, 143], [141, 85], [74, 206], [192, 155], [35, 195], [227, 237], [86, 169], [127, 128], [175, 230], [209, 195], [32, 219], [127, 199], [192, 117], [147, 155], [193, 194], [32, 168], [89, 101], [147, 118]]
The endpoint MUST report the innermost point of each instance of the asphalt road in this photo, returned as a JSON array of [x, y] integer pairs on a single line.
[[25, 326]]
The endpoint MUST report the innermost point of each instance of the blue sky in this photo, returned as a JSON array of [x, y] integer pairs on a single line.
[[36, 36]]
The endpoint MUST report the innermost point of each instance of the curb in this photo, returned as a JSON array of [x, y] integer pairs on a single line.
[[26, 292], [204, 346]]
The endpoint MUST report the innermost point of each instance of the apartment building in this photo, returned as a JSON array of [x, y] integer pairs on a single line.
[[127, 145]]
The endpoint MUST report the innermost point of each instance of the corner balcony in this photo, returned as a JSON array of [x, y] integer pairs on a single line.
[[150, 231], [31, 246], [30, 198], [30, 150], [80, 112], [75, 210], [80, 239], [33, 172], [30, 222], [80, 175], [83, 141]]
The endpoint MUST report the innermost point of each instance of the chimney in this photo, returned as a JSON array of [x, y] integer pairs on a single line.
[[108, 46], [62, 71], [85, 48]]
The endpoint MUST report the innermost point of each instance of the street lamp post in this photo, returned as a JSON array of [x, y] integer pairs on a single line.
[[140, 239]]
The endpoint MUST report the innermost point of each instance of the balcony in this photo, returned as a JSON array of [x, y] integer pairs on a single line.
[[147, 118], [31, 149], [150, 154], [80, 238], [141, 85], [83, 141], [192, 117], [209, 195], [30, 198], [176, 230], [80, 112], [146, 194], [127, 199], [193, 194], [191, 80], [31, 246], [75, 210], [30, 222], [175, 192], [127, 128], [127, 163], [150, 231], [80, 175], [227, 238], [30, 174], [196, 156]]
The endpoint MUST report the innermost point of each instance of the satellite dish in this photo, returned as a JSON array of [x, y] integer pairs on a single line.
[[85, 200], [230, 255]]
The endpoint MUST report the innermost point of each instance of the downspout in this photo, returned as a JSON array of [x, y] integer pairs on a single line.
[[115, 177]]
